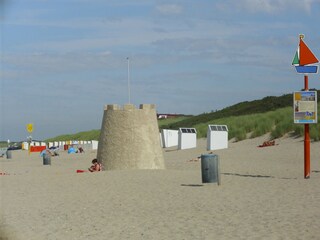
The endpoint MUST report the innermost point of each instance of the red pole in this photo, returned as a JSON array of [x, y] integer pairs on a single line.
[[306, 139], [306, 84]]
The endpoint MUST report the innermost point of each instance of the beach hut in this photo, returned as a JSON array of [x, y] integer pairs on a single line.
[[25, 145], [94, 144], [169, 138], [187, 138], [217, 137]]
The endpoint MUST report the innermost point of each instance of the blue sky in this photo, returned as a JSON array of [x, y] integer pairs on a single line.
[[62, 61]]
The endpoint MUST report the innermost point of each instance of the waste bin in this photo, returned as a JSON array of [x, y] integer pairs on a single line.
[[210, 168], [9, 154], [46, 159]]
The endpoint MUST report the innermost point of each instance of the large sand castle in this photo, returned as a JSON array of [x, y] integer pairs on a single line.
[[129, 138]]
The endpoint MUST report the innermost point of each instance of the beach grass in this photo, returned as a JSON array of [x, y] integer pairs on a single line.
[[278, 123]]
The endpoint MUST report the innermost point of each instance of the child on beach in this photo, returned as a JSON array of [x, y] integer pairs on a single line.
[[96, 166]]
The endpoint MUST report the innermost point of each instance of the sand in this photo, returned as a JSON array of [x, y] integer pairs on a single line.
[[263, 195]]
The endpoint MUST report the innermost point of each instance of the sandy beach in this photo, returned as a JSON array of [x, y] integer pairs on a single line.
[[263, 195]]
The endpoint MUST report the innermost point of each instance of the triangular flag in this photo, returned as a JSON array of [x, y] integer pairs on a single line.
[[295, 60], [306, 56]]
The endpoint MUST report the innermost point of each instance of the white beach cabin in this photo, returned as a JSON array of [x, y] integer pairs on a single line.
[[169, 138], [95, 144], [217, 137], [187, 138]]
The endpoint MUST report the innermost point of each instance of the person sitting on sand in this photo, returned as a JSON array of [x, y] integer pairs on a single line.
[[80, 150], [267, 143], [96, 166]]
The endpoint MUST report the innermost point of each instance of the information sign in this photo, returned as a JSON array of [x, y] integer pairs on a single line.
[[305, 107]]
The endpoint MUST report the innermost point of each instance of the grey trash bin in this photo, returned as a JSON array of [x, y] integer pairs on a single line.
[[9, 154], [46, 159], [210, 168]]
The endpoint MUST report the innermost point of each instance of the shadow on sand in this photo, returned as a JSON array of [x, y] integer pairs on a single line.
[[192, 185], [247, 175], [256, 176]]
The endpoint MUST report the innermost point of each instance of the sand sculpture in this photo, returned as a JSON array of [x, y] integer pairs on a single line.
[[129, 138]]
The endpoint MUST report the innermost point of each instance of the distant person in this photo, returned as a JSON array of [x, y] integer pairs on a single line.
[[268, 143], [45, 152], [96, 166], [71, 150], [80, 150], [54, 151]]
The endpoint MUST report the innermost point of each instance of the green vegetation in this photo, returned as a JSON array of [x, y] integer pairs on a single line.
[[244, 108], [278, 122], [165, 122], [85, 136], [244, 120], [3, 144]]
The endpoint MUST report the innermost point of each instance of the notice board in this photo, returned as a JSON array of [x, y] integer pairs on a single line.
[[305, 107]]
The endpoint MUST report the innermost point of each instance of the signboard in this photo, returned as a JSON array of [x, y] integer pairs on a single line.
[[304, 58], [305, 107], [30, 127]]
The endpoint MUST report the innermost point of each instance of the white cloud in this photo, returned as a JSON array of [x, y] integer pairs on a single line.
[[169, 9], [270, 6]]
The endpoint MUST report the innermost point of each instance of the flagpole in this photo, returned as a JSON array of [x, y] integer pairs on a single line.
[[128, 60]]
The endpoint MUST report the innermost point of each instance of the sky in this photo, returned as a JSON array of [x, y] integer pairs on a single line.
[[61, 61]]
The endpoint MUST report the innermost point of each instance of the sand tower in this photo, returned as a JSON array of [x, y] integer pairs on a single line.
[[129, 138]]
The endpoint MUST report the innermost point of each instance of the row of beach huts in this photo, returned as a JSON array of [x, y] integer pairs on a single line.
[[38, 146], [185, 138]]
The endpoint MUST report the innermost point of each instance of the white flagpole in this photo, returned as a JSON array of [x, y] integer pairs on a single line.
[[128, 78]]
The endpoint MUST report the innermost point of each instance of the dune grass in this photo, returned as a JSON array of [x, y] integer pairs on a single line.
[[85, 136], [169, 121], [277, 123]]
